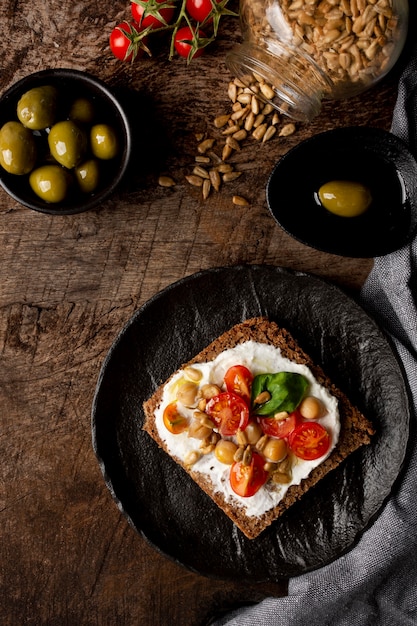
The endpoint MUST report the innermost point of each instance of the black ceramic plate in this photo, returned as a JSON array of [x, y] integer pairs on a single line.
[[371, 156], [160, 499]]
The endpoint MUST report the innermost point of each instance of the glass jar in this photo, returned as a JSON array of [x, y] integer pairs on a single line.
[[300, 52]]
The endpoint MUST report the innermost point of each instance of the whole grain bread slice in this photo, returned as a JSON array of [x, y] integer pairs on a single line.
[[356, 429]]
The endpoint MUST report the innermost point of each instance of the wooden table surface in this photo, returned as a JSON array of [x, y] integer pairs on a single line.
[[68, 286]]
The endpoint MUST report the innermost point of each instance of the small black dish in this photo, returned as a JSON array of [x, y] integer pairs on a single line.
[[70, 84], [371, 156]]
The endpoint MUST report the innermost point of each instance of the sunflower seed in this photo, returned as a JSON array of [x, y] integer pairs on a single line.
[[194, 180], [240, 201], [166, 181]]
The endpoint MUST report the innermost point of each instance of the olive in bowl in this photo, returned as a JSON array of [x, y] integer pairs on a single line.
[[65, 141]]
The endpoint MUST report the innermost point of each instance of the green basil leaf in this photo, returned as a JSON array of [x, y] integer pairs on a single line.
[[286, 389]]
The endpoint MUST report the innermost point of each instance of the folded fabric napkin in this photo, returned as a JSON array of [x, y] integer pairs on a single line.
[[375, 584]]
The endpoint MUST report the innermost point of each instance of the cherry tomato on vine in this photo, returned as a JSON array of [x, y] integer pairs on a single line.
[[238, 379], [173, 420], [147, 13], [199, 10], [125, 42], [229, 412], [186, 42], [309, 441], [246, 480], [279, 428]]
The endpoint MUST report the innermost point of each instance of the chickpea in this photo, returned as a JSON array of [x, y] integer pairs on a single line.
[[253, 432], [311, 408], [225, 451], [209, 391], [193, 374], [275, 450], [187, 394]]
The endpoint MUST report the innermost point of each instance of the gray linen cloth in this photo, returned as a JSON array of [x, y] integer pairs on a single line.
[[375, 584]]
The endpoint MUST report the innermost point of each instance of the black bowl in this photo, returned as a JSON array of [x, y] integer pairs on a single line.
[[70, 84], [373, 157]]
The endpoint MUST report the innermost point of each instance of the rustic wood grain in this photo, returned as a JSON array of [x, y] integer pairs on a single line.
[[68, 286]]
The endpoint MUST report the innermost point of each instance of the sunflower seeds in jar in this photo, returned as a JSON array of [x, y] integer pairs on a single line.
[[309, 50]]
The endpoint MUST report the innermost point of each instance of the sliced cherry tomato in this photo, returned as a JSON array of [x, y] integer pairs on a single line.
[[125, 41], [229, 412], [187, 42], [309, 441], [238, 379], [246, 480], [148, 13], [199, 10], [173, 420], [279, 428]]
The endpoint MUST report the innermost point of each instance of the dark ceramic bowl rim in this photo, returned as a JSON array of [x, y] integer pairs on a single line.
[[104, 91], [369, 140]]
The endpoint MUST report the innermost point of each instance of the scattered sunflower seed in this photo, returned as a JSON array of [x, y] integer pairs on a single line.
[[166, 181], [206, 188], [249, 117], [205, 145], [200, 171], [269, 133], [221, 120], [202, 159], [240, 201], [215, 179], [287, 130], [194, 180], [229, 176]]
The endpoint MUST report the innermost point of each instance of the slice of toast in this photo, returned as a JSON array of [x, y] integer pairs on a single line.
[[355, 431]]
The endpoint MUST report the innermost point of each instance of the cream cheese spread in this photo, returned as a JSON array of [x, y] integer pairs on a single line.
[[259, 358]]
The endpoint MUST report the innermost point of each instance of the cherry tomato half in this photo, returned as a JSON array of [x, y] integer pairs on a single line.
[[199, 10], [123, 41], [173, 420], [229, 412], [309, 441], [246, 480], [279, 428], [185, 42], [156, 18], [238, 380]]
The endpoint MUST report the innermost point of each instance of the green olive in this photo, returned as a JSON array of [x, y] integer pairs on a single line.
[[87, 175], [67, 143], [50, 182], [17, 148], [82, 110], [36, 109], [345, 198], [104, 141]]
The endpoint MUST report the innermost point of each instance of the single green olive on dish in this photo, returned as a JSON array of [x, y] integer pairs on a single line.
[[37, 107], [17, 148], [82, 111], [344, 198], [67, 143], [87, 175], [104, 142], [50, 182]]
